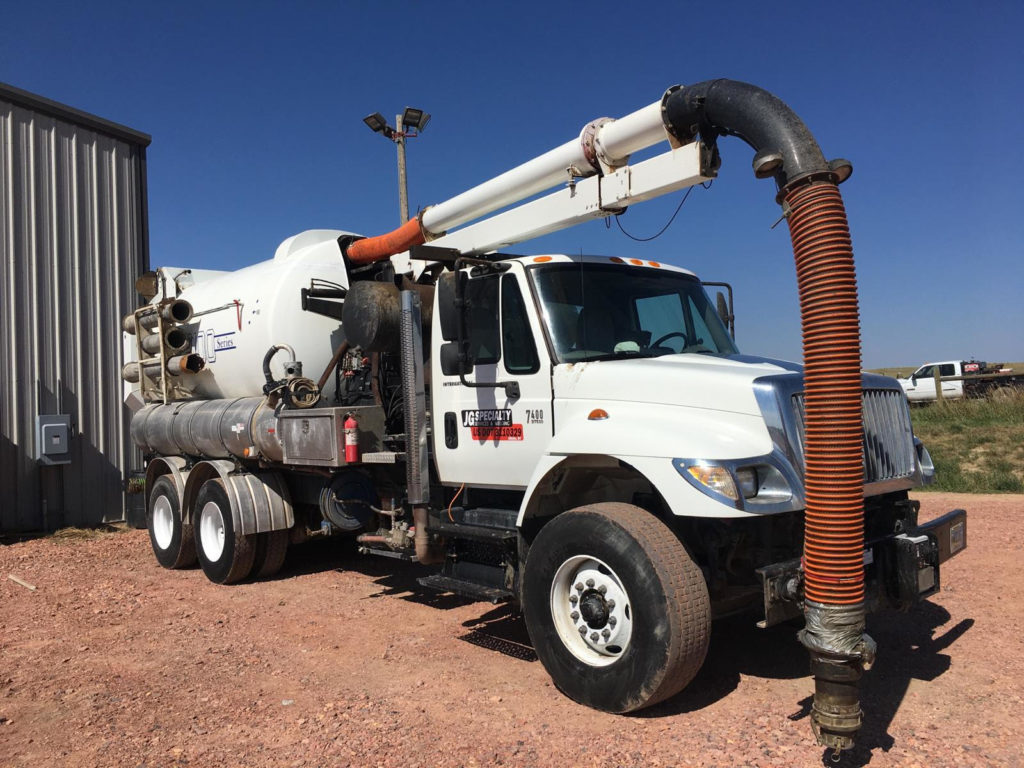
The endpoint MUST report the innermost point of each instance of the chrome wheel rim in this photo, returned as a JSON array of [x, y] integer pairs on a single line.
[[163, 522], [591, 610], [211, 531]]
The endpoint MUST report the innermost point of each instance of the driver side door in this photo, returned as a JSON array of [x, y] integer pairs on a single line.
[[482, 435]]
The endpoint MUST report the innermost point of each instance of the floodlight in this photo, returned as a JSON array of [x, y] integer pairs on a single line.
[[415, 118], [377, 123]]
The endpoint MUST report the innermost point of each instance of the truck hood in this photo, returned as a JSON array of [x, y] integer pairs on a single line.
[[690, 380]]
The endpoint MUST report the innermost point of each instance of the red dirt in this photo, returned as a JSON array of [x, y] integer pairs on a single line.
[[343, 660]]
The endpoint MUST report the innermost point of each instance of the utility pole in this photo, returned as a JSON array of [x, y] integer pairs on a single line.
[[403, 182]]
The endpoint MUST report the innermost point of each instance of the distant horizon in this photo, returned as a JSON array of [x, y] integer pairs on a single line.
[[256, 117]]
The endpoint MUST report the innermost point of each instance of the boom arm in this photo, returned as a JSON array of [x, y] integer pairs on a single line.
[[589, 198]]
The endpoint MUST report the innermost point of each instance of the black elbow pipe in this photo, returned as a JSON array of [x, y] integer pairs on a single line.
[[784, 147]]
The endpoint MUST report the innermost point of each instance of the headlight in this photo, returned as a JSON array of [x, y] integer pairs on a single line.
[[746, 477], [716, 479], [762, 484]]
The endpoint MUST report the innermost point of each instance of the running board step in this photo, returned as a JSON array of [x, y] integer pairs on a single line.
[[465, 588], [474, 532]]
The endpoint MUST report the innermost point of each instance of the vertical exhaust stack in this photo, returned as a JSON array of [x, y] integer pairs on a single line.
[[834, 524]]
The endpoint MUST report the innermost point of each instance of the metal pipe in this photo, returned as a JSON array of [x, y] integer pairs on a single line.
[[174, 340], [179, 365], [338, 354], [169, 310], [425, 552]]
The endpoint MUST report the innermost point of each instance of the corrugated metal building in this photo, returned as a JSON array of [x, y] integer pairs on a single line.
[[73, 222]]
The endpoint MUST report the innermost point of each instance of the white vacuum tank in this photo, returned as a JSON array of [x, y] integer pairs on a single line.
[[237, 316]]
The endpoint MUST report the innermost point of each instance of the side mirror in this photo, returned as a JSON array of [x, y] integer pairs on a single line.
[[450, 363], [448, 304]]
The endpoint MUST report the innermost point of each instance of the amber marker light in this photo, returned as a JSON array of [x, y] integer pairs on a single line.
[[598, 414], [542, 259]]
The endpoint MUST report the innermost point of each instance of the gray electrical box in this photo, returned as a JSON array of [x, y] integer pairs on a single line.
[[53, 439]]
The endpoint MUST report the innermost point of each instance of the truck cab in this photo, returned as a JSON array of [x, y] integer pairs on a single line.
[[622, 373], [920, 385], [574, 335]]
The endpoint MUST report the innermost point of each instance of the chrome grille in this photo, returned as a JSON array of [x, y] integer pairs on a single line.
[[888, 438]]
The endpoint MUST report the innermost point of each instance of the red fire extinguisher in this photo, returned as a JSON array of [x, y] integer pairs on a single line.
[[351, 440]]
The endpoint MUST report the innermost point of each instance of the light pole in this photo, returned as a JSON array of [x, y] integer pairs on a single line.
[[410, 123]]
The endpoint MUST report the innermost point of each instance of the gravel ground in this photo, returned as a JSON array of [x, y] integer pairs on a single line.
[[343, 660]]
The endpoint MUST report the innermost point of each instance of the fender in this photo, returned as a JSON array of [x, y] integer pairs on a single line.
[[259, 503], [647, 438], [201, 472], [168, 465]]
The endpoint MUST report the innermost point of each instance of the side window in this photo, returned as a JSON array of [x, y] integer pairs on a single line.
[[924, 371], [516, 337], [482, 320], [947, 370]]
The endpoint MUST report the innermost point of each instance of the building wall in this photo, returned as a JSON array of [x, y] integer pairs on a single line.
[[73, 224]]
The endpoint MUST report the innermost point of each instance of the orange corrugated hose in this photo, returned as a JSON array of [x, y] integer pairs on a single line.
[[834, 450], [382, 246]]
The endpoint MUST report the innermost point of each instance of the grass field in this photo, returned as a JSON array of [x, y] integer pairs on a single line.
[[977, 445]]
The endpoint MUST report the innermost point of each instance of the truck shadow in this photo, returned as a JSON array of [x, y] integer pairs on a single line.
[[394, 579], [909, 648]]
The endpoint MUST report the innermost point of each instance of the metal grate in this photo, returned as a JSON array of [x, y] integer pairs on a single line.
[[888, 438]]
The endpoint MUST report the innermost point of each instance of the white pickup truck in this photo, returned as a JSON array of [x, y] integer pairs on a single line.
[[958, 379]]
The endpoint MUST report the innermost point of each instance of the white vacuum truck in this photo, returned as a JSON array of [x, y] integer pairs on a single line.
[[577, 435]]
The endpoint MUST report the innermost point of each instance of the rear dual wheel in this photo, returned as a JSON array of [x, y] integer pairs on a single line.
[[617, 610], [225, 554], [171, 537]]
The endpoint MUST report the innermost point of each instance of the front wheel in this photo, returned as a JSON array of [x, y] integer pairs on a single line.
[[617, 610]]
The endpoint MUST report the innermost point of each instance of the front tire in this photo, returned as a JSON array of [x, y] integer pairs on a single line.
[[225, 555], [171, 538], [617, 610]]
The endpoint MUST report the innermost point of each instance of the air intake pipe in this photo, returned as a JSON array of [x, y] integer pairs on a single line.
[[834, 523]]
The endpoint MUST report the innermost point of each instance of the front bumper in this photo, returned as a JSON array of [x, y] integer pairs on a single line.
[[899, 569]]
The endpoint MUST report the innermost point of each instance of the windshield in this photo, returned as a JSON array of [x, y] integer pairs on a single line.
[[604, 312]]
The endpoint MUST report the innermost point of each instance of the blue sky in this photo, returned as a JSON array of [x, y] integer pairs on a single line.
[[256, 115]]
